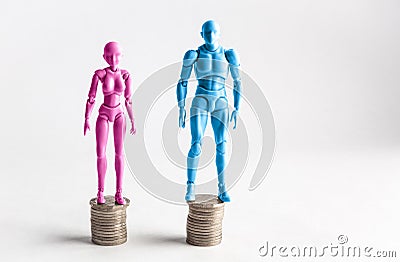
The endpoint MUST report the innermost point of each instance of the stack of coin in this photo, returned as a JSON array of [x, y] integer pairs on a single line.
[[108, 222], [204, 222]]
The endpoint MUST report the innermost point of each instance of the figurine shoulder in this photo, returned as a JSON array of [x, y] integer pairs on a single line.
[[100, 73], [190, 57], [232, 56], [125, 74]]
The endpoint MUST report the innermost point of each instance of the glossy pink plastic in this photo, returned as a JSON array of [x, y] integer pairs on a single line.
[[115, 83]]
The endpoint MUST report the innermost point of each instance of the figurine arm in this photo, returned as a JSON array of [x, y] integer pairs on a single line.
[[128, 100], [234, 67], [181, 89], [91, 99]]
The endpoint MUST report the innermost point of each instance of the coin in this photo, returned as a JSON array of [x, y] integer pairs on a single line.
[[108, 237], [108, 222], [108, 232], [109, 243], [103, 236], [204, 220], [206, 212], [107, 213], [108, 227], [203, 243], [109, 217], [203, 223], [202, 236], [200, 228], [109, 204], [195, 229]]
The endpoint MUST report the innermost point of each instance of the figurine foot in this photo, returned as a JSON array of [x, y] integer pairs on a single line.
[[222, 194], [100, 197], [190, 195], [119, 200]]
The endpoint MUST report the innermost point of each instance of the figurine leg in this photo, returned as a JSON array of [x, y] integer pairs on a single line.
[[119, 134], [219, 122], [101, 144], [198, 123]]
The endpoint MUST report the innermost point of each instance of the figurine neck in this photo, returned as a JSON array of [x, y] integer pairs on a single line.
[[211, 46], [113, 68]]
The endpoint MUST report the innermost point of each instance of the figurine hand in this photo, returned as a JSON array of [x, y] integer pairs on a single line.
[[233, 117], [86, 126], [133, 128], [182, 116]]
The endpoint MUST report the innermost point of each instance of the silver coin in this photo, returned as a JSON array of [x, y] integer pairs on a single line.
[[110, 225], [109, 204], [108, 228], [107, 215], [203, 244], [206, 213], [204, 222], [203, 226], [101, 225], [108, 212], [206, 219], [205, 210], [108, 232], [205, 237], [108, 237], [116, 218], [108, 218], [212, 235], [109, 243], [206, 201], [204, 230]]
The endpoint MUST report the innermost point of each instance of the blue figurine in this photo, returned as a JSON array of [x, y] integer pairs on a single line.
[[211, 65]]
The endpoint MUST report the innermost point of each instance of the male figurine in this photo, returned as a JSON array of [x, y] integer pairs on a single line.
[[116, 82], [211, 65]]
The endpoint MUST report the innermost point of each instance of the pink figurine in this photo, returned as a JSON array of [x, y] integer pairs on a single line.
[[115, 82]]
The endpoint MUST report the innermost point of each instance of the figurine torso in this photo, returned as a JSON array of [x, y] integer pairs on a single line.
[[113, 86], [211, 67], [112, 82]]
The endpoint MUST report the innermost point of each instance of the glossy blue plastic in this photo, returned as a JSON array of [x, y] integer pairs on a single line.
[[211, 63]]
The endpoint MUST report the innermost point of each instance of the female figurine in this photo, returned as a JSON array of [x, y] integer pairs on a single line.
[[115, 82]]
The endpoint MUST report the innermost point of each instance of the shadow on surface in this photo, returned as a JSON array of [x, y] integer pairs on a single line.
[[159, 239], [72, 239]]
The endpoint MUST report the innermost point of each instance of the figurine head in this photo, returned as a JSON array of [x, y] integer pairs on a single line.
[[210, 32], [112, 53]]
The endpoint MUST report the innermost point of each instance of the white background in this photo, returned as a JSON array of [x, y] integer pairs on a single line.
[[330, 70]]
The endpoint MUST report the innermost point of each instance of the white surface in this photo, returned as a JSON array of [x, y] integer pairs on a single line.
[[330, 70]]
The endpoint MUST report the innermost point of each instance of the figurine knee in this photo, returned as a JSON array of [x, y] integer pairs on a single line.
[[195, 149], [221, 148], [101, 152]]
